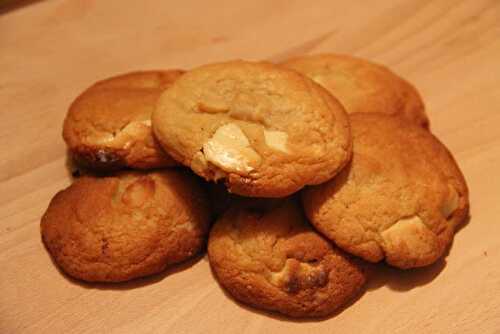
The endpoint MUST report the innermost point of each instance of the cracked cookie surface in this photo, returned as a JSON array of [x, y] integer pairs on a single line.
[[265, 130], [400, 199], [363, 86], [109, 125], [266, 255], [134, 224]]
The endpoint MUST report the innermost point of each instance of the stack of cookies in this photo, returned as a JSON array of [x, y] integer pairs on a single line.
[[295, 174]]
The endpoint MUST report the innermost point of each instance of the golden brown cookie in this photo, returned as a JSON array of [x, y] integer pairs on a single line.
[[130, 225], [109, 125], [265, 130], [362, 86], [400, 198], [267, 256]]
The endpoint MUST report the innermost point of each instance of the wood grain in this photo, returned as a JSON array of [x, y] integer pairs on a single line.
[[51, 50]]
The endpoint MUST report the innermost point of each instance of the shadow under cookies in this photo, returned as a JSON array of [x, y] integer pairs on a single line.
[[405, 280], [11, 5], [74, 170], [134, 283]]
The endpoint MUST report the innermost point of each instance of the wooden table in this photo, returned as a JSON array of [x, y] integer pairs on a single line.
[[51, 50]]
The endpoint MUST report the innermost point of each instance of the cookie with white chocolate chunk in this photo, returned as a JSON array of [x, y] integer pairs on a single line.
[[109, 125], [400, 199], [266, 255], [132, 224], [363, 86], [265, 130]]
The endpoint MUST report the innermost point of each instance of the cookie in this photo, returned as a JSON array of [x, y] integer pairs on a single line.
[[362, 86], [267, 256], [109, 125], [265, 130], [130, 225], [400, 199]]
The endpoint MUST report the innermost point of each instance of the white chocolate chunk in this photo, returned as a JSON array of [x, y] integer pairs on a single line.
[[146, 122], [231, 134], [410, 233], [296, 275], [404, 224], [276, 140], [276, 277], [102, 138], [135, 127], [199, 163], [451, 203], [230, 150]]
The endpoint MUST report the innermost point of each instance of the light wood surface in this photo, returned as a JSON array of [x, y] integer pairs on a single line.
[[51, 50]]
